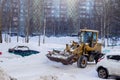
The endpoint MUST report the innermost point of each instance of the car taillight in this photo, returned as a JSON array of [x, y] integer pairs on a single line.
[[0, 53], [100, 59]]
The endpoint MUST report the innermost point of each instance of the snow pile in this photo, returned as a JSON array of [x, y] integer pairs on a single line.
[[4, 76], [62, 55], [48, 77]]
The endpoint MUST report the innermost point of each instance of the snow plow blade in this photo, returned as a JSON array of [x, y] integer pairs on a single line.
[[58, 57]]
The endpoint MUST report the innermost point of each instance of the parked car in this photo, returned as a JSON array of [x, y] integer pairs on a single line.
[[22, 50], [109, 65]]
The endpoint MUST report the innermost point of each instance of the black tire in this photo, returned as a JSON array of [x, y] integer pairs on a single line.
[[82, 62], [102, 73]]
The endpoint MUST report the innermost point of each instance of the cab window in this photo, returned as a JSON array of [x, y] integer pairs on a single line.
[[87, 37], [94, 37]]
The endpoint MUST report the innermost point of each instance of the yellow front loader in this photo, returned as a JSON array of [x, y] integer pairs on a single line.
[[86, 50]]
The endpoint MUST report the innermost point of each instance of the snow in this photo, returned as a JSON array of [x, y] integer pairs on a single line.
[[39, 67], [3, 75]]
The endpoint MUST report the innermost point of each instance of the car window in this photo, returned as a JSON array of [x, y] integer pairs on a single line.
[[113, 57]]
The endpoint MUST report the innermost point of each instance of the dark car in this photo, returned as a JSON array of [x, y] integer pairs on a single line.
[[22, 50]]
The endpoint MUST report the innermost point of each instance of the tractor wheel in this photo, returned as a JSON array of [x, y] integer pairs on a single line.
[[82, 62]]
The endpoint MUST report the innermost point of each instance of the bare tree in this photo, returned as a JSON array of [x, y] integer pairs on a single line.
[[27, 22], [5, 18], [0, 21], [102, 18], [37, 18]]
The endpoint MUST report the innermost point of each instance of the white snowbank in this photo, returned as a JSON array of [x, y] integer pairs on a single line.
[[4, 75], [48, 77]]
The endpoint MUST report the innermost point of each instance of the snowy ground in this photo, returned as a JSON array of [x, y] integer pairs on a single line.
[[38, 67]]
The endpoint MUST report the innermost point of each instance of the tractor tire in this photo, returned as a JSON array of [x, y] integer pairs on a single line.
[[82, 62]]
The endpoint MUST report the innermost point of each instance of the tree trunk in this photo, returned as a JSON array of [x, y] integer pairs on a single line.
[[0, 22], [44, 31], [28, 23], [39, 40], [0, 36]]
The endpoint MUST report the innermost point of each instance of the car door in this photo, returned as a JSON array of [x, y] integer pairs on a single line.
[[114, 61]]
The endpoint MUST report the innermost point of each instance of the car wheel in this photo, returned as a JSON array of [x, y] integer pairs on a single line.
[[102, 73], [82, 62]]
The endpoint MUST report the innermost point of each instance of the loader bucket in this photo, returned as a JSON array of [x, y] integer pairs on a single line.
[[64, 59]]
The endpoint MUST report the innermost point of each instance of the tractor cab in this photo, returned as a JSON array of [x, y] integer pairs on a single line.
[[88, 36]]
